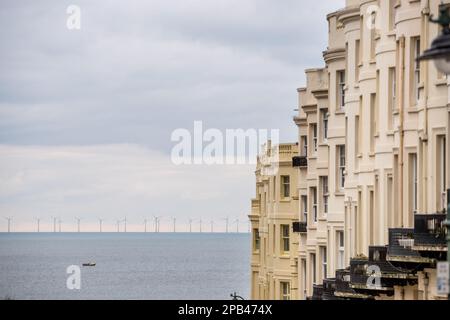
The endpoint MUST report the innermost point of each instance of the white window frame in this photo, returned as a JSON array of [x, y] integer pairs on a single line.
[[415, 41], [304, 145], [314, 205], [323, 254], [325, 116], [285, 290], [256, 240], [285, 238], [340, 244], [340, 74], [325, 194], [341, 167], [305, 207], [285, 186], [314, 137]]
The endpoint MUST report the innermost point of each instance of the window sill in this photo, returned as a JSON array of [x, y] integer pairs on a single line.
[[391, 33], [285, 200], [390, 132], [396, 111], [371, 154], [340, 111], [339, 193], [372, 61], [285, 255], [440, 82], [413, 109], [359, 155]]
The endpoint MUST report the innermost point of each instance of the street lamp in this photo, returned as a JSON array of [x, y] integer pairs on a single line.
[[440, 47]]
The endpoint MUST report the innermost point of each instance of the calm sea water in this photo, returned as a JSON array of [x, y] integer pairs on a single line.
[[129, 265]]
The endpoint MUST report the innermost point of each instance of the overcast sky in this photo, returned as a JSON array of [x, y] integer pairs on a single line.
[[86, 115]]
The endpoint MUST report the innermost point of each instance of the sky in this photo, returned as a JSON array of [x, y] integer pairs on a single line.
[[86, 115]]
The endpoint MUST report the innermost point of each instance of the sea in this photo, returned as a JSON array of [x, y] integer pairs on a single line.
[[132, 266]]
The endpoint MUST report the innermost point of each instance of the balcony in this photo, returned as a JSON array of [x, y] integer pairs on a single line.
[[299, 226], [300, 161], [317, 292], [402, 251], [430, 232], [343, 289], [329, 287], [376, 275]]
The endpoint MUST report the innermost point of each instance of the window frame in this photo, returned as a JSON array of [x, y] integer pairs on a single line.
[[285, 238]]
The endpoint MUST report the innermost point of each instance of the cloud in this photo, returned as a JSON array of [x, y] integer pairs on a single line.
[[140, 69], [86, 116], [114, 181]]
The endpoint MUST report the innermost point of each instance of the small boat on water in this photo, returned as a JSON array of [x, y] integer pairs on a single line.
[[89, 264]]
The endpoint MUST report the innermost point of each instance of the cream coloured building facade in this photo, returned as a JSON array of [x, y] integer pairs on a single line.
[[274, 249], [372, 162]]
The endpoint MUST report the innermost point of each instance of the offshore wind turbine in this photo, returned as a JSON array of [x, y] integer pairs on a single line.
[[100, 221], [125, 224], [59, 224], [226, 224], [212, 226], [145, 225], [78, 223], [118, 225], [200, 221], [9, 223], [237, 225], [159, 220], [38, 221], [174, 223], [156, 223], [54, 223]]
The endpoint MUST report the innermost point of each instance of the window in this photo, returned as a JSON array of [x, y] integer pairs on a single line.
[[314, 202], [285, 238], [415, 47], [274, 188], [285, 187], [324, 124], [441, 172], [341, 166], [314, 136], [392, 105], [285, 288], [256, 240], [305, 208], [340, 249], [303, 280], [323, 253], [304, 141], [313, 267], [357, 58], [390, 202], [325, 194], [392, 4], [413, 182], [341, 89], [373, 120], [371, 216], [373, 18]]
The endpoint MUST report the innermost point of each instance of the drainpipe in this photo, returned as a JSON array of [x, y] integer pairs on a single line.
[[400, 128]]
